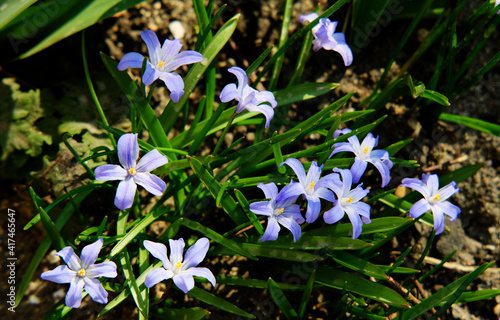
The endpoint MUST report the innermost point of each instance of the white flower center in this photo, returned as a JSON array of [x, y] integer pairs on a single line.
[[279, 211], [346, 201], [132, 171], [82, 272], [434, 199]]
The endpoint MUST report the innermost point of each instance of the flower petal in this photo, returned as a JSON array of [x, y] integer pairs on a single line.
[[184, 282], [270, 190], [272, 230], [153, 44], [344, 50], [357, 169], [337, 133], [183, 58], [384, 172], [229, 92], [174, 83], [196, 253], [90, 253], [357, 224], [449, 209], [108, 172], [290, 192], [71, 259], [298, 168], [261, 208], [153, 184], [266, 110], [324, 193], [432, 182], [176, 250], [313, 208], [292, 225], [128, 150], [419, 208], [447, 191], [125, 193], [131, 60], [417, 185], [203, 273], [75, 293], [308, 17], [159, 251], [242, 77], [156, 276], [61, 274], [438, 219], [265, 96], [170, 49], [346, 180], [334, 214], [151, 160], [150, 74], [293, 211], [313, 173], [106, 269], [358, 193], [95, 290], [341, 147]]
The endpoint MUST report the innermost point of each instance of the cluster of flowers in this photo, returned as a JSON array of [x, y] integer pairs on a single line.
[[281, 208], [81, 273]]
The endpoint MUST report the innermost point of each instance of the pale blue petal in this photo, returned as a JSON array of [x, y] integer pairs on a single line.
[[61, 274], [298, 168], [417, 185], [313, 209], [432, 182], [341, 147], [131, 60], [90, 253], [331, 181], [266, 110], [293, 211], [270, 190], [170, 50], [174, 83], [313, 174], [159, 251], [106, 269], [203, 273], [339, 132], [384, 172], [293, 190], [346, 180], [308, 17], [242, 77], [153, 44], [334, 214], [449, 209], [184, 282], [150, 182], [361, 208], [379, 155], [369, 142], [272, 230], [71, 259], [156, 276], [151, 160], [358, 193], [292, 225], [447, 191], [265, 96], [324, 193], [128, 150], [108, 172], [150, 74], [230, 92], [176, 250], [95, 290], [357, 169], [196, 253], [75, 293], [357, 224], [261, 208], [183, 58], [354, 141], [419, 208], [125, 193], [438, 219]]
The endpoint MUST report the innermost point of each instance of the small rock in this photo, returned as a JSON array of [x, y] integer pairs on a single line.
[[177, 29]]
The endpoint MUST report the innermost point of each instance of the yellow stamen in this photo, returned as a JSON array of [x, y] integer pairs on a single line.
[[82, 273], [131, 171], [160, 64], [312, 184], [349, 200], [437, 197], [178, 265], [280, 211], [365, 150]]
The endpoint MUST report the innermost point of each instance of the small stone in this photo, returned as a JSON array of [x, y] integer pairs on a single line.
[[177, 29]]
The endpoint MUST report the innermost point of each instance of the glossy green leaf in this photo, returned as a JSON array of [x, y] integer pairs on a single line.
[[254, 283], [11, 9], [477, 124], [195, 313], [281, 301], [357, 264], [349, 282], [217, 302], [345, 229], [269, 252], [306, 295], [51, 229]]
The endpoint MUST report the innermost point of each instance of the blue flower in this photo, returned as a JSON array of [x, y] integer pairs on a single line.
[[247, 97], [325, 37], [434, 199], [280, 210], [81, 274], [348, 201], [180, 269], [164, 60], [364, 153], [132, 173], [308, 187]]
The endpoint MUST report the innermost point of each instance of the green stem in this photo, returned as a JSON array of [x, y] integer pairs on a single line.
[[229, 122]]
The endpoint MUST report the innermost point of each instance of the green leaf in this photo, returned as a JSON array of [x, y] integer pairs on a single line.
[[260, 250], [132, 283], [217, 302], [11, 9], [51, 229], [365, 16], [209, 233], [307, 242], [377, 225], [357, 264], [306, 295], [254, 283], [477, 124], [281, 301], [195, 313], [345, 281]]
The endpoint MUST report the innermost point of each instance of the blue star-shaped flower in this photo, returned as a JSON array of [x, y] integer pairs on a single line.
[[163, 61]]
